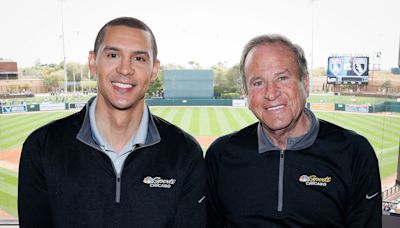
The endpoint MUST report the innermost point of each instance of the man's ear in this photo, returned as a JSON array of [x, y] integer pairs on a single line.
[[156, 68], [306, 82], [92, 63]]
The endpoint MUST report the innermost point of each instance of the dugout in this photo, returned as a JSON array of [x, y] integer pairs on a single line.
[[180, 84]]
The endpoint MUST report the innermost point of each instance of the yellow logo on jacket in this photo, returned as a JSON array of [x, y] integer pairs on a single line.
[[314, 180]]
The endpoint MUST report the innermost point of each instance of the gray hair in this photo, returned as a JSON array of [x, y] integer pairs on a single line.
[[271, 39]]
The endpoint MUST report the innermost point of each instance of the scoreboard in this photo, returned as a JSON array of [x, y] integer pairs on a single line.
[[348, 70]]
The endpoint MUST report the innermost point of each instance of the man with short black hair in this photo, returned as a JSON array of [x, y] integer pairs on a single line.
[[114, 164]]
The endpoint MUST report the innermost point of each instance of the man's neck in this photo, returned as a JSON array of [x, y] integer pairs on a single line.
[[116, 126], [280, 137]]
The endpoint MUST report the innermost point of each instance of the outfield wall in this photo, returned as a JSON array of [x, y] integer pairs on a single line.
[[387, 106]]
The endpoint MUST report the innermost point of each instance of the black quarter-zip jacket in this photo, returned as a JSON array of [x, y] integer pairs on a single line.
[[333, 182], [65, 181]]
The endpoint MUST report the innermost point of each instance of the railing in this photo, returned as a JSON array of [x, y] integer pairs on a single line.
[[390, 191]]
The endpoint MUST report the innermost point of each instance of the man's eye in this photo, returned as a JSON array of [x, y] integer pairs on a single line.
[[140, 58], [257, 83], [112, 55], [283, 77]]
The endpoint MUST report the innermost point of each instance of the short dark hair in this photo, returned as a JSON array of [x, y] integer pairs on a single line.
[[129, 22], [269, 39]]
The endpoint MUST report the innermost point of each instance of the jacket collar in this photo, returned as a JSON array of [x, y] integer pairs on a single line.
[[297, 143], [85, 134]]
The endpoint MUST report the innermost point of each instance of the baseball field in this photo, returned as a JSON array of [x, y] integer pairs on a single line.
[[205, 123]]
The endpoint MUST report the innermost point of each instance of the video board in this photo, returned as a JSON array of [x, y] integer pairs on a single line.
[[348, 70]]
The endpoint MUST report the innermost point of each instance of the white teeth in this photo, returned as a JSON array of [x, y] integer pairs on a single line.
[[275, 108], [121, 85]]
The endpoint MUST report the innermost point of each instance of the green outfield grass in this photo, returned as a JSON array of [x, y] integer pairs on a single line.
[[15, 128], [381, 131]]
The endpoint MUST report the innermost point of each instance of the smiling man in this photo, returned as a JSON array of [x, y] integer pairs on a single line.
[[290, 169], [114, 164]]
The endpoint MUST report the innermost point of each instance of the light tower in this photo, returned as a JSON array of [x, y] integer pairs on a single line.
[[63, 44]]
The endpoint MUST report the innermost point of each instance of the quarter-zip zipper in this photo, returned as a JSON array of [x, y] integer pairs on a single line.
[[118, 188], [119, 175], [118, 178], [280, 180]]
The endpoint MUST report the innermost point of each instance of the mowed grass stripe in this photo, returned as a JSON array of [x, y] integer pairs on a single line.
[[194, 121], [247, 115], [204, 128], [358, 124], [239, 117], [8, 177], [355, 123], [8, 121], [223, 121], [14, 136], [173, 115], [12, 122], [9, 189], [8, 203], [185, 120], [26, 127], [213, 122], [388, 162], [388, 128], [160, 111], [232, 119], [376, 123]]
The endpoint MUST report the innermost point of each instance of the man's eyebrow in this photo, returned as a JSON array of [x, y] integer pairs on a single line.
[[138, 52], [255, 77], [282, 72], [109, 48], [146, 53]]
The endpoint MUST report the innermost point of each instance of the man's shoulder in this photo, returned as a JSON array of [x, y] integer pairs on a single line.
[[235, 142], [333, 132], [326, 127], [238, 137]]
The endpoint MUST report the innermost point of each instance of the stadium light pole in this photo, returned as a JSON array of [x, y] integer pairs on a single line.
[[312, 45], [398, 62], [63, 44]]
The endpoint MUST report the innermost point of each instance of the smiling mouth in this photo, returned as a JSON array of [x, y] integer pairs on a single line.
[[122, 85], [274, 108]]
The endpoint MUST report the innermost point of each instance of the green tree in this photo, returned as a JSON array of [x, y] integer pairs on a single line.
[[156, 87], [74, 68], [53, 78], [227, 81], [386, 86]]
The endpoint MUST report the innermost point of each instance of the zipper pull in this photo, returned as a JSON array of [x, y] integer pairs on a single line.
[[118, 189]]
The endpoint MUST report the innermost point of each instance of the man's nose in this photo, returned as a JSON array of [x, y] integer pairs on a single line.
[[271, 91], [125, 67]]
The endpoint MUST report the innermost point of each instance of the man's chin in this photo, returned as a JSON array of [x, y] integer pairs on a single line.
[[122, 105]]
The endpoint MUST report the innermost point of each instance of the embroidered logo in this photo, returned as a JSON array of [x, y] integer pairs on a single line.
[[201, 199], [313, 180], [368, 197], [158, 182]]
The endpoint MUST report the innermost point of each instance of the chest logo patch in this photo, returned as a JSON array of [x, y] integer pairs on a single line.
[[158, 182], [314, 180]]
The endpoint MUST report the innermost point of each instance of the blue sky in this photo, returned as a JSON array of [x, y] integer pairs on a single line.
[[204, 31]]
